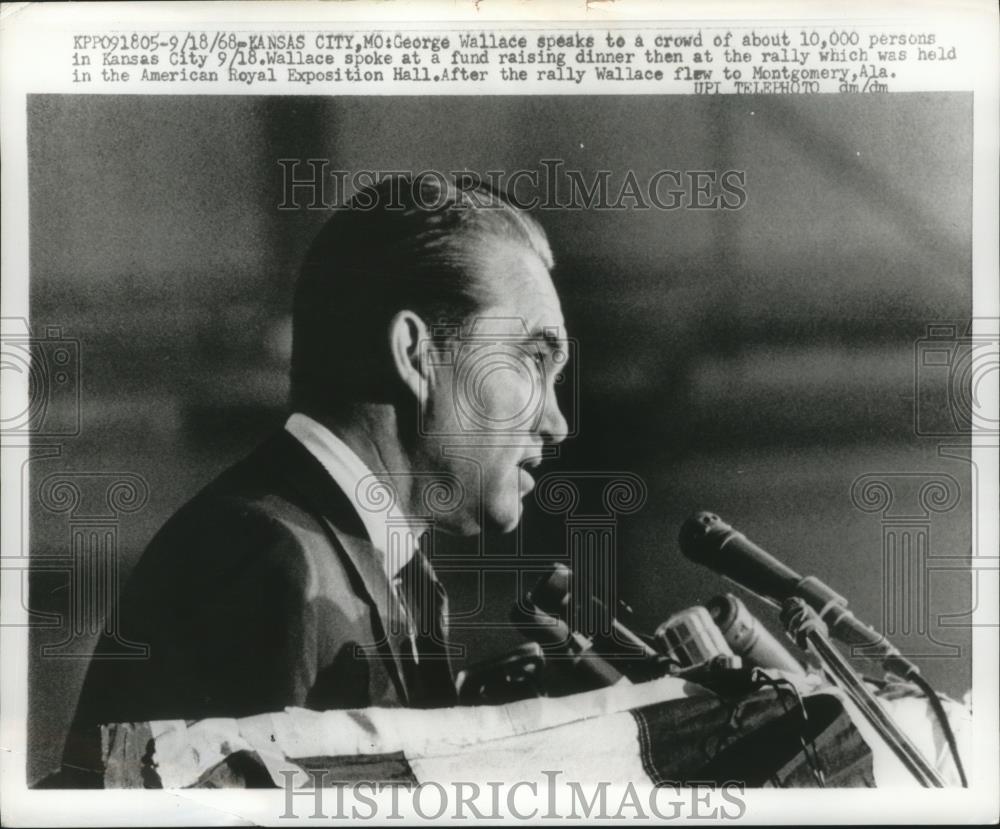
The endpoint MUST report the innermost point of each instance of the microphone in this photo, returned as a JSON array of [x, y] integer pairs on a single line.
[[693, 639], [582, 629], [556, 595], [747, 636], [708, 540], [539, 620]]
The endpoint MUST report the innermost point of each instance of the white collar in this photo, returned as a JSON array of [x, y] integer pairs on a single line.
[[390, 533]]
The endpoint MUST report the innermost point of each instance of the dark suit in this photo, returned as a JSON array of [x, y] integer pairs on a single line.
[[262, 592]]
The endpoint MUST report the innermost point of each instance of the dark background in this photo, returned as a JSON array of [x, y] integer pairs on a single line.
[[755, 362]]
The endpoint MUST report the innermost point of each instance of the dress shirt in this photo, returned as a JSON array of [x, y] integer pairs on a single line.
[[348, 472]]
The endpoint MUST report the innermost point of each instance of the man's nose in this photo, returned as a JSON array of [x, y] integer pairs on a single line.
[[553, 426]]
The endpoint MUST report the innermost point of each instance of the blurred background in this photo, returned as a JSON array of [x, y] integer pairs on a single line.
[[754, 362]]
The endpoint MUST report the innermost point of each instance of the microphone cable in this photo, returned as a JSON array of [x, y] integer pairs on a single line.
[[942, 717], [809, 749], [939, 713]]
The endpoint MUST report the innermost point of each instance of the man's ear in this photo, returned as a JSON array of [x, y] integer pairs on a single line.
[[408, 339]]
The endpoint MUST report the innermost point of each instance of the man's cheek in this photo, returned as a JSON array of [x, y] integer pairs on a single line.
[[507, 399]]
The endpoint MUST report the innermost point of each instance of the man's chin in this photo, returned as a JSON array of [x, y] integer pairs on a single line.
[[505, 522], [495, 521], [506, 528]]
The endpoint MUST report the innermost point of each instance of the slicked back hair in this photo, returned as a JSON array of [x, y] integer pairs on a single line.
[[416, 244]]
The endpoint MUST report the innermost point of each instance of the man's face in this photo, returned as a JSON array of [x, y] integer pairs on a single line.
[[491, 406]]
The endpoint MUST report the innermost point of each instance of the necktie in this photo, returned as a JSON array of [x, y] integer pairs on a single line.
[[407, 620], [427, 664]]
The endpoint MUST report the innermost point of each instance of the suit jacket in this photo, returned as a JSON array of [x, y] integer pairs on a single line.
[[262, 592]]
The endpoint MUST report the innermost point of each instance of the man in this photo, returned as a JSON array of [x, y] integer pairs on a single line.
[[426, 334]]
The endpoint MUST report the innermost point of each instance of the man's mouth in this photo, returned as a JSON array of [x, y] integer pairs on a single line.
[[527, 482], [530, 464], [527, 466]]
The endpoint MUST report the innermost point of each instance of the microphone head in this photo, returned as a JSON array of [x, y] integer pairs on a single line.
[[725, 610], [708, 540], [748, 637], [552, 593], [692, 638], [700, 536]]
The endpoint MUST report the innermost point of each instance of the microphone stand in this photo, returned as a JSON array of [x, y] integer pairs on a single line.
[[807, 630]]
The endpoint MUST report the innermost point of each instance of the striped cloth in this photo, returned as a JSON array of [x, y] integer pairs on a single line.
[[656, 733]]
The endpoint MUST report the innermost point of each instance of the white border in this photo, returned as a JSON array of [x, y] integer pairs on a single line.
[[24, 68]]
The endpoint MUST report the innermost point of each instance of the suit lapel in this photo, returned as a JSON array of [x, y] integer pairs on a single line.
[[366, 562], [324, 498]]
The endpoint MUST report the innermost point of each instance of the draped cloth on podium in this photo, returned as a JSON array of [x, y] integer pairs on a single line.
[[657, 733]]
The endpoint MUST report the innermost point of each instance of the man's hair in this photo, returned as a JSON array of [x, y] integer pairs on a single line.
[[417, 244]]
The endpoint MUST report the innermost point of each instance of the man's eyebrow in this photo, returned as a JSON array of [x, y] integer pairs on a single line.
[[550, 338]]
